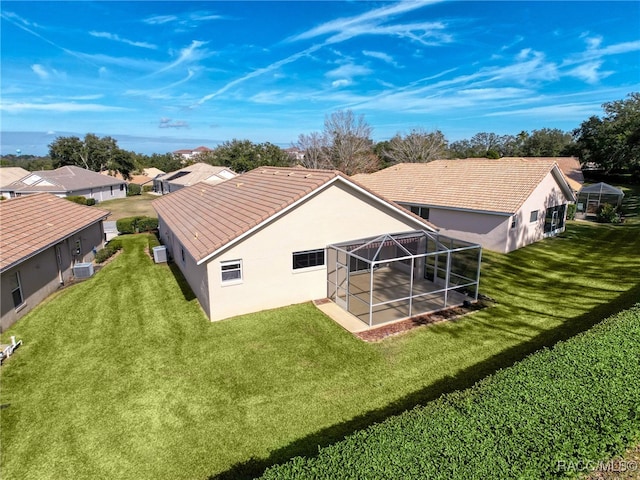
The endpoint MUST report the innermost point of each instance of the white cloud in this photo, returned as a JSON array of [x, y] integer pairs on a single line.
[[40, 71], [380, 56], [58, 107], [117, 38], [589, 72], [343, 82], [160, 19], [188, 54], [348, 70], [167, 123]]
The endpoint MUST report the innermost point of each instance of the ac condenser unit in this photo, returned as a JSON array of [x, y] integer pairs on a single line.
[[83, 270], [160, 254]]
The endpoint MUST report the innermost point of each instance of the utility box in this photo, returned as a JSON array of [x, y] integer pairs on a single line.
[[83, 270], [160, 254]]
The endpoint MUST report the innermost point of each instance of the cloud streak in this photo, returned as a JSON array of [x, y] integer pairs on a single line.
[[117, 38]]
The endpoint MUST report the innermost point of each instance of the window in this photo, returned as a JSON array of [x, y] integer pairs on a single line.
[[121, 187], [308, 258], [16, 289], [514, 221], [534, 216], [182, 255], [111, 187], [422, 212], [231, 271]]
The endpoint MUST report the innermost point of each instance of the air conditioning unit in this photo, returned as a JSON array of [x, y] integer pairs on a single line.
[[83, 270], [160, 254]]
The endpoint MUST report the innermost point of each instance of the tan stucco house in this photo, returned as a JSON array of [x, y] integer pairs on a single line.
[[41, 238], [500, 204], [70, 181], [260, 240], [8, 175]]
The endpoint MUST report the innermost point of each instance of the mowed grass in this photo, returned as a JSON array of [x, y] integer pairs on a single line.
[[123, 377], [136, 205]]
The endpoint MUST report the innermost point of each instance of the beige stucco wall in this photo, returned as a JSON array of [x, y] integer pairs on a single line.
[[547, 194], [196, 275], [486, 229], [103, 193], [42, 274], [338, 213]]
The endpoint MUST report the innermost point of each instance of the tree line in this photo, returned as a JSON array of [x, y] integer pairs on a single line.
[[610, 143]]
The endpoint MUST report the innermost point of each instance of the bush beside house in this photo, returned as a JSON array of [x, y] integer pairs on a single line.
[[136, 224]]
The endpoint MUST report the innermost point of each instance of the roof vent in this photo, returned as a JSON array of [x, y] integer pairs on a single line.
[[239, 184]]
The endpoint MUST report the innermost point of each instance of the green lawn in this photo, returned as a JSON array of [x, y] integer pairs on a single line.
[[122, 376], [136, 205]]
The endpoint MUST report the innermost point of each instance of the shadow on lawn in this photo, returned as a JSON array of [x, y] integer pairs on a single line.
[[308, 446], [182, 282]]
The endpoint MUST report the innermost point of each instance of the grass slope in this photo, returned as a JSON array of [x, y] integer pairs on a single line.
[[122, 376], [136, 205]]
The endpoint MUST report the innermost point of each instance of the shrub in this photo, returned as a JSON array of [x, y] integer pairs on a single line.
[[127, 224], [91, 201], [77, 199], [571, 211], [147, 224], [154, 241], [147, 188], [133, 189], [607, 213], [137, 224], [575, 404], [108, 251]]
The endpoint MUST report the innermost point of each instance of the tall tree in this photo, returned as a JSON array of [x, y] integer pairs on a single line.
[[547, 142], [92, 153], [244, 155], [315, 147], [418, 146], [612, 142], [350, 144]]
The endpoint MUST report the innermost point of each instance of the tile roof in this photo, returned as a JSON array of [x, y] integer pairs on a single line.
[[198, 172], [571, 168], [482, 184], [11, 174], [207, 217], [64, 179], [33, 223]]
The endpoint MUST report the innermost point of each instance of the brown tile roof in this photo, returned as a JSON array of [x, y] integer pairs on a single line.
[[471, 184], [64, 179], [206, 217], [198, 172], [33, 223]]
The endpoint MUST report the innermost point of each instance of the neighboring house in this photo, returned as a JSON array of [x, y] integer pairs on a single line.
[[188, 154], [146, 178], [275, 236], [295, 153], [591, 197], [501, 204], [196, 173], [41, 238], [8, 175], [70, 181]]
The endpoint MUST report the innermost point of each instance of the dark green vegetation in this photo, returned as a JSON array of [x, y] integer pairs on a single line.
[[122, 376], [542, 418], [81, 200], [113, 247], [136, 224]]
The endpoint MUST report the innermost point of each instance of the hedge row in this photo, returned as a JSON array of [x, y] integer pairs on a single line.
[[108, 251], [549, 416], [133, 189], [137, 224], [81, 200]]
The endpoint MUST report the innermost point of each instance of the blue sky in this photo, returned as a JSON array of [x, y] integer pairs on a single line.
[[159, 76]]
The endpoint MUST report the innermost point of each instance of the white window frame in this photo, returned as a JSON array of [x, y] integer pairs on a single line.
[[18, 289], [310, 267], [531, 219], [238, 268]]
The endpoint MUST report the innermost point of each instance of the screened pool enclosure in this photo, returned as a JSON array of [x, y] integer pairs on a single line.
[[395, 276]]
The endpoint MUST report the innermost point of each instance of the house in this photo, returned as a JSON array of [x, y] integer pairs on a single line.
[[8, 175], [70, 181], [501, 204], [146, 178], [591, 197], [41, 238], [278, 236], [572, 170], [188, 154], [198, 172]]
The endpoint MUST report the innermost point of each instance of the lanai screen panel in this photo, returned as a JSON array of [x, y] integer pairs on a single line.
[[396, 276]]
